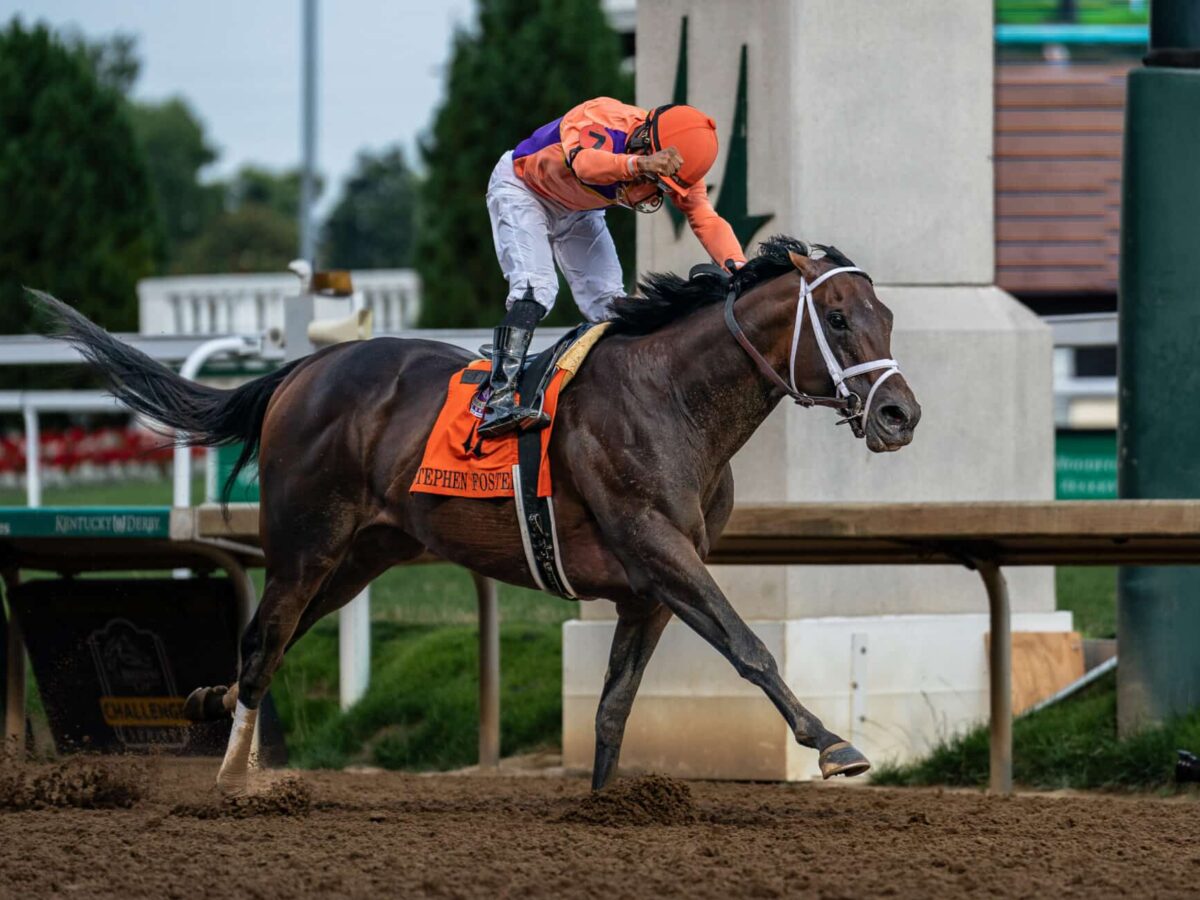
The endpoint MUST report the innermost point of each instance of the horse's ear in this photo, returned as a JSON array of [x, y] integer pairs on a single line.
[[805, 264]]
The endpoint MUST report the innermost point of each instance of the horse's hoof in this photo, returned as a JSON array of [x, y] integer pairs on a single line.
[[206, 704], [233, 786], [842, 759]]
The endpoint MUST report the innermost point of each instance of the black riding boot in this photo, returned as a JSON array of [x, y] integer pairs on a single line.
[[510, 343]]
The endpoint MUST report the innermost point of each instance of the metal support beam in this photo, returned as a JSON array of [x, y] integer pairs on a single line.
[[308, 139], [489, 671], [999, 678]]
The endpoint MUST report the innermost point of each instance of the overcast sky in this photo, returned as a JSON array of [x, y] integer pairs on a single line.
[[238, 63]]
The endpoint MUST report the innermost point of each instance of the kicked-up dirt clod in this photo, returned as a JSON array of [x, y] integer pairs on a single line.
[[286, 797], [646, 800], [81, 782]]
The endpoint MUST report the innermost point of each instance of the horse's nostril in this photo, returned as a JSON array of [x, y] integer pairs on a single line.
[[894, 416]]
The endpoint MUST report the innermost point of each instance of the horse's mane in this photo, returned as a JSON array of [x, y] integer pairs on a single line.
[[665, 296]]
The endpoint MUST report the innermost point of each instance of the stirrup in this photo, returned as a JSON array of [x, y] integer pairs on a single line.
[[524, 418], [506, 423]]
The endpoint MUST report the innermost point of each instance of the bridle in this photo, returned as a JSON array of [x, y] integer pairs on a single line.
[[848, 402]]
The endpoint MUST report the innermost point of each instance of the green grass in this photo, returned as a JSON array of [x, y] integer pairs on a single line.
[[107, 493], [1073, 744], [422, 709], [1090, 593]]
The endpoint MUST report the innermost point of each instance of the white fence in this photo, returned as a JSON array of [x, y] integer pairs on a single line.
[[203, 305]]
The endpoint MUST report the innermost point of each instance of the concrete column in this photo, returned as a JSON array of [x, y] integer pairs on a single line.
[[867, 126]]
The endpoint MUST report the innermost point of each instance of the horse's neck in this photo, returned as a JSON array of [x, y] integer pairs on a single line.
[[726, 397]]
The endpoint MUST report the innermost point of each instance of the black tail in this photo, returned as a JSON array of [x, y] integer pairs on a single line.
[[208, 416]]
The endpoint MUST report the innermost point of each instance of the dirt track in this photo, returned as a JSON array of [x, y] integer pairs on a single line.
[[335, 834]]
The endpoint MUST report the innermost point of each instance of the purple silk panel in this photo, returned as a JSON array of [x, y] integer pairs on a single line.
[[539, 140]]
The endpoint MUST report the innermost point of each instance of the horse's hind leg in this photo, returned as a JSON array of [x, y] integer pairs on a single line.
[[207, 704], [288, 610], [283, 602], [633, 643]]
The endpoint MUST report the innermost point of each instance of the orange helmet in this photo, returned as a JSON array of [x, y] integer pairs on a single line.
[[692, 133]]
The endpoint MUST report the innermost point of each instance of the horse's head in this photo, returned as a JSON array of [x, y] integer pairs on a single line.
[[845, 358]]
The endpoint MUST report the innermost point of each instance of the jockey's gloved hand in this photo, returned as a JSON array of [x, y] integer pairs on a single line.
[[665, 162]]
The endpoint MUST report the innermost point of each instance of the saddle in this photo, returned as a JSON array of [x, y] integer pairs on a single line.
[[517, 465]]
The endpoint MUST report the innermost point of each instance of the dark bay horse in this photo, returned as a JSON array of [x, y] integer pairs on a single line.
[[640, 455]]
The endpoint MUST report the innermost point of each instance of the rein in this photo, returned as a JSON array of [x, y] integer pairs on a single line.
[[848, 402]]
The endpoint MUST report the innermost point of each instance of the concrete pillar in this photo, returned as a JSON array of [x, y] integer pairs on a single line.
[[854, 123]]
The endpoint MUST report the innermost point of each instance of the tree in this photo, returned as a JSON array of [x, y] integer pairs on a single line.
[[78, 213], [113, 60], [372, 226], [280, 191], [252, 238], [256, 229], [525, 63], [176, 151]]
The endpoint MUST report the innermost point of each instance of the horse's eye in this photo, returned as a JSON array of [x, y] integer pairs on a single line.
[[838, 321]]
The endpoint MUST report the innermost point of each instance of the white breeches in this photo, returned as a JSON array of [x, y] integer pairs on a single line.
[[532, 233]]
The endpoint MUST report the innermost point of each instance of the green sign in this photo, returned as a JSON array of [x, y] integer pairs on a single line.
[[245, 487], [86, 522], [1085, 465]]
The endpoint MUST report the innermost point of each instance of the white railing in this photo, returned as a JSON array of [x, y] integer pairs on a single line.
[[206, 305]]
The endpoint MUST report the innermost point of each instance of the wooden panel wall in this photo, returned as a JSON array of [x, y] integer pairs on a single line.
[[1059, 131]]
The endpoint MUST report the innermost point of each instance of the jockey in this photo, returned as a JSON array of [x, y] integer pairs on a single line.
[[547, 200]]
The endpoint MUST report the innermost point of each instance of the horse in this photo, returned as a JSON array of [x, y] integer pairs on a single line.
[[640, 453]]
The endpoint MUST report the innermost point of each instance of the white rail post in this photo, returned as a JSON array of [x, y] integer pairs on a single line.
[[33, 461], [354, 649]]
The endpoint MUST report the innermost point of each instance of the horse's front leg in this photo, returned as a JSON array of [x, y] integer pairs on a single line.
[[662, 562], [638, 629]]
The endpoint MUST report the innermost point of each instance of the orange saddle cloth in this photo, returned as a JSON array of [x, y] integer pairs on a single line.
[[457, 464]]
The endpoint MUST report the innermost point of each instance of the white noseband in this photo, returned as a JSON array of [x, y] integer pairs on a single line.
[[804, 303]]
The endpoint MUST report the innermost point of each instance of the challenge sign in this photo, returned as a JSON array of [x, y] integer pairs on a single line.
[[115, 658], [140, 702]]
